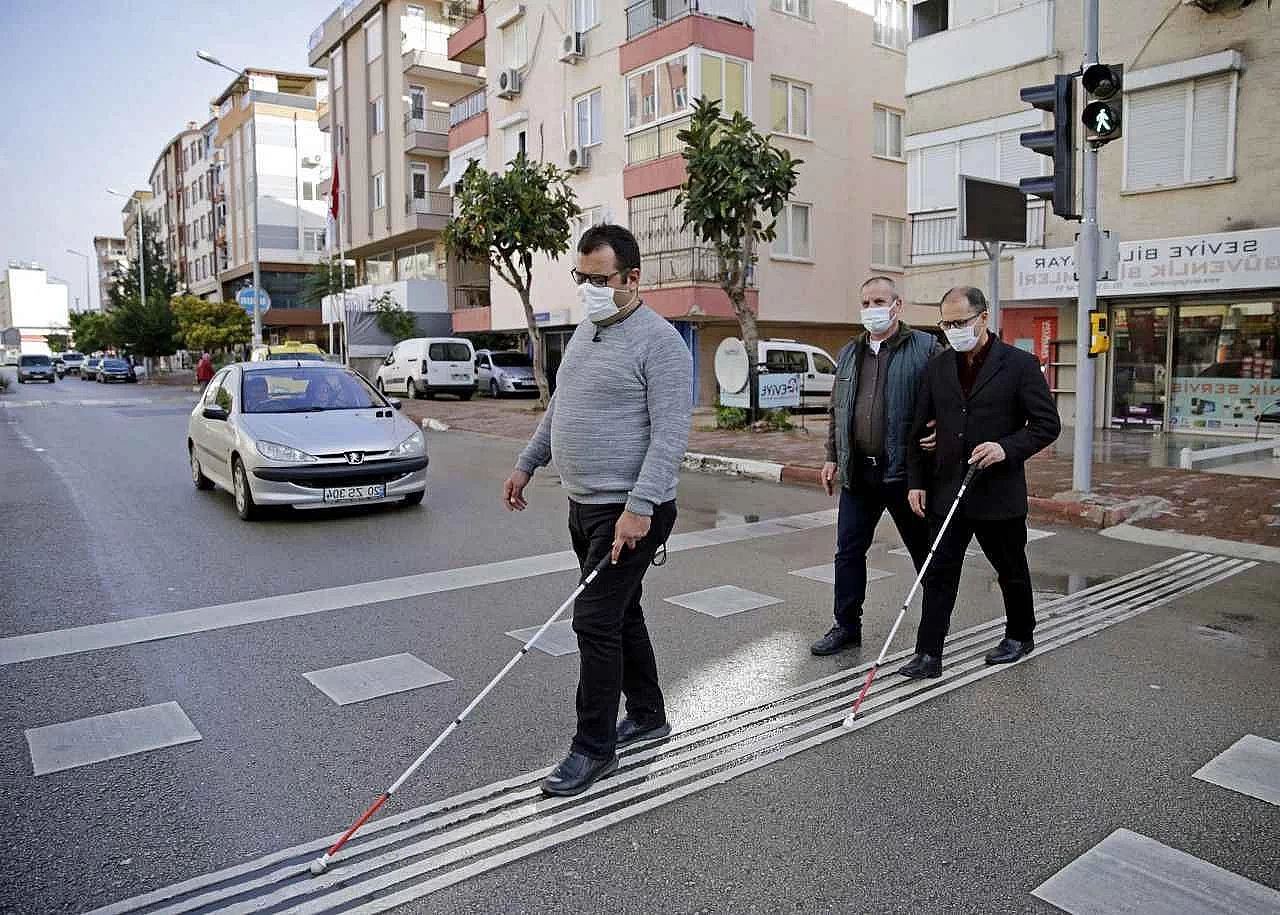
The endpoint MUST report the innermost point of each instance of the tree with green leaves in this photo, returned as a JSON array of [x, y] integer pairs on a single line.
[[324, 278], [210, 326], [57, 342], [145, 328], [391, 319], [92, 331], [505, 220], [738, 185]]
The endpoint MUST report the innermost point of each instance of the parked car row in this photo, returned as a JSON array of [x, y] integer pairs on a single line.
[[107, 369]]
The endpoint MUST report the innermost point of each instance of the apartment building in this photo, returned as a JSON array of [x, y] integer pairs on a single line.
[[167, 208], [138, 202], [392, 88], [1188, 189], [111, 255], [602, 89], [32, 306], [266, 199], [199, 227]]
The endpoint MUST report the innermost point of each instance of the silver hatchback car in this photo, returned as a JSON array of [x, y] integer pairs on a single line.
[[305, 434]]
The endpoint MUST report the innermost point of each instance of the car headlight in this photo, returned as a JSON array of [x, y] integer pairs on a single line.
[[412, 446], [273, 452]]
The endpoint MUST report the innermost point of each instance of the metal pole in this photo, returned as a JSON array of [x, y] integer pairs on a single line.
[[1087, 269], [993, 249], [257, 266], [88, 295], [142, 257]]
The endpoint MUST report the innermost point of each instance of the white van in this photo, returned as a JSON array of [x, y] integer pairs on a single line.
[[428, 366], [816, 368]]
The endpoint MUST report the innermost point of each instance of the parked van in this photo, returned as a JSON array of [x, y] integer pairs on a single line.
[[816, 368], [426, 366]]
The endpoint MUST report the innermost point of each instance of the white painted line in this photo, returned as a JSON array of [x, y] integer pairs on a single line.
[[1250, 766], [1033, 534], [969, 553], [363, 680], [1128, 872], [723, 601], [71, 744], [1175, 541], [827, 574], [557, 641], [133, 631]]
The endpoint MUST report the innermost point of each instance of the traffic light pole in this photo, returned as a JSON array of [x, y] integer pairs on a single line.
[[1087, 270]]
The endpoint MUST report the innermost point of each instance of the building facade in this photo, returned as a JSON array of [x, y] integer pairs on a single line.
[[111, 255], [601, 89], [168, 205], [31, 307], [1188, 190], [199, 227], [267, 202]]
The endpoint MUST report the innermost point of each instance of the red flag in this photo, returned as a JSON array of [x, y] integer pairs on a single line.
[[333, 191]]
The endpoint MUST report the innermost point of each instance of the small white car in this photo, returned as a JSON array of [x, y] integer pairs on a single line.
[[816, 368], [427, 366], [504, 372], [305, 434]]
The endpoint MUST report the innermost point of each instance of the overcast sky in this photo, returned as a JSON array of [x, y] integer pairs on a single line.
[[92, 91]]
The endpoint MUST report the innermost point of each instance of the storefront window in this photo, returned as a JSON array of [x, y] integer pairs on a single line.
[[378, 269], [417, 263], [1226, 365], [1140, 340]]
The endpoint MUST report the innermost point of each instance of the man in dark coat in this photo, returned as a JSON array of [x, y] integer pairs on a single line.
[[993, 410]]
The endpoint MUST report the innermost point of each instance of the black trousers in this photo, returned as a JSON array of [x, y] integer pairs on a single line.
[[861, 509], [615, 653], [1005, 543]]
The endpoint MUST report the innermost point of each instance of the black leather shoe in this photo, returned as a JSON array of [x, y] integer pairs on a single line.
[[838, 639], [1010, 650], [576, 774], [922, 667], [631, 732]]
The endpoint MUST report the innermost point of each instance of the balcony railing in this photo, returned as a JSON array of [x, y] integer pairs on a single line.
[[460, 12], [431, 121], [936, 236], [648, 15], [682, 267], [434, 204], [468, 297], [468, 107], [655, 142]]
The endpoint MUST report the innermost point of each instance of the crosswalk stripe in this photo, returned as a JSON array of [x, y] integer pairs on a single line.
[[503, 822], [1250, 766]]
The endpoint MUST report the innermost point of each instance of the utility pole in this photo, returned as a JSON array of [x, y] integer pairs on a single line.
[[1087, 270]]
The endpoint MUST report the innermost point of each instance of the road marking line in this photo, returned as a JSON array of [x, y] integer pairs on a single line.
[[724, 600], [1155, 585], [135, 630], [1128, 872], [494, 796], [826, 574], [1249, 766], [364, 680], [1175, 541], [557, 641], [71, 744]]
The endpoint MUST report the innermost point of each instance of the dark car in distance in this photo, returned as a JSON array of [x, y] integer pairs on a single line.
[[115, 370], [35, 367]]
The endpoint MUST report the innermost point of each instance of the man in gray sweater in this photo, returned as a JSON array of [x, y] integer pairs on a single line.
[[617, 429]]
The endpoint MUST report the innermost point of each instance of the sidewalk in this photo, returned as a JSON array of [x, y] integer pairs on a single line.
[[1232, 507]]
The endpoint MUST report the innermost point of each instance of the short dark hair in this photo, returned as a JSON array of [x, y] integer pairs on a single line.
[[893, 284], [972, 294], [626, 250]]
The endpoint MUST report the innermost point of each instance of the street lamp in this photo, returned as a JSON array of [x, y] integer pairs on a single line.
[[142, 252], [88, 297], [257, 264]]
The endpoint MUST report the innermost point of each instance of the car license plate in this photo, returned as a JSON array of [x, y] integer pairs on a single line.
[[355, 493], [459, 376]]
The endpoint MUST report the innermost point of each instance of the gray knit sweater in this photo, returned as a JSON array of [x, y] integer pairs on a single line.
[[618, 424]]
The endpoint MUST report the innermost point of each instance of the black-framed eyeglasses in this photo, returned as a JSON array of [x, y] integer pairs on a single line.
[[962, 322], [595, 279]]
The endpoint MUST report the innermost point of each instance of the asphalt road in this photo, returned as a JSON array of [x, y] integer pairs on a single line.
[[964, 802]]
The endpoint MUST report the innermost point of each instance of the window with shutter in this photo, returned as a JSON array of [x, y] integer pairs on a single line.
[[1210, 123], [1180, 133], [1016, 161], [978, 157], [965, 11], [938, 177]]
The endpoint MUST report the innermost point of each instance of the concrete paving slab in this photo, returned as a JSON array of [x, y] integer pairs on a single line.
[[363, 680], [558, 640], [723, 601], [827, 573], [1250, 766], [71, 744]]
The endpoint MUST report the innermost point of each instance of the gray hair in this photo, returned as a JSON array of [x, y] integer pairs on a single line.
[[972, 294], [893, 286]]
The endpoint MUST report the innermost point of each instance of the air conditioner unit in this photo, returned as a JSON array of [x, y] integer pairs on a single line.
[[571, 48], [579, 159], [509, 83]]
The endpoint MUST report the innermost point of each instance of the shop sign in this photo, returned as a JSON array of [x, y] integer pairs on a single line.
[[1223, 404], [1191, 264]]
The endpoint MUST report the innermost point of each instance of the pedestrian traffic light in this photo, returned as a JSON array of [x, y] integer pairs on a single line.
[[1099, 335], [1103, 115], [1058, 143]]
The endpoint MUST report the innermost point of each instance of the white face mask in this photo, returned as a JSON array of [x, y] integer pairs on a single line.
[[962, 339], [600, 302], [877, 320]]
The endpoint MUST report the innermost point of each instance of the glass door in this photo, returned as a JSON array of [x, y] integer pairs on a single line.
[[1139, 356], [1226, 371]]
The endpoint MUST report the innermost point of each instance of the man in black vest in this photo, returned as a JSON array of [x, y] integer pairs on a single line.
[[872, 404], [993, 410]]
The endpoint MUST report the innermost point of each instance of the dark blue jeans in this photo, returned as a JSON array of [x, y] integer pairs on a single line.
[[861, 509]]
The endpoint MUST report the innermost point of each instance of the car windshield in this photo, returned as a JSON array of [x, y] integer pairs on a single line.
[[115, 364], [306, 389], [449, 352], [36, 360], [296, 357], [71, 357], [512, 361]]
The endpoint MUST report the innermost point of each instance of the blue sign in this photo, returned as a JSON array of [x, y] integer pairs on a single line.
[[540, 317], [244, 298]]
